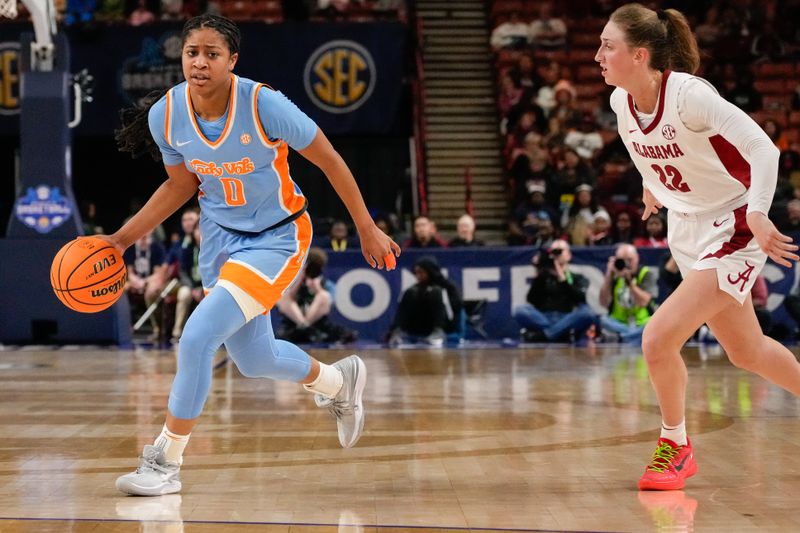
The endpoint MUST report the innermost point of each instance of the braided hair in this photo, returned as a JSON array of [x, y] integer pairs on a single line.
[[134, 134]]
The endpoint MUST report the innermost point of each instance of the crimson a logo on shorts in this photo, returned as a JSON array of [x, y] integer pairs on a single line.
[[668, 132]]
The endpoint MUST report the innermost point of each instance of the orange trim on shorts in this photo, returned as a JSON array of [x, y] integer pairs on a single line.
[[167, 119], [228, 122], [266, 293]]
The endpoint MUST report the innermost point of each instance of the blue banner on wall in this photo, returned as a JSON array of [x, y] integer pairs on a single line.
[[366, 299], [347, 77]]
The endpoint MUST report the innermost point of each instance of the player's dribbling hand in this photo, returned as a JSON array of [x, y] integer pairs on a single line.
[[651, 205], [776, 245], [110, 240], [379, 249]]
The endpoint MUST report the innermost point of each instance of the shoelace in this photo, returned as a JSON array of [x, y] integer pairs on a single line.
[[340, 408], [662, 457], [148, 462]]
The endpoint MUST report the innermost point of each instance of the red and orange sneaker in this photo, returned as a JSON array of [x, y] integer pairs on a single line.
[[670, 466]]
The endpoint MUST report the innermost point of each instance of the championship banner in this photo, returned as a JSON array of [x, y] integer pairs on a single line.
[[366, 299], [348, 77]]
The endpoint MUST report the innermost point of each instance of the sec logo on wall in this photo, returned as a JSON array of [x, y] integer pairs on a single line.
[[339, 76], [9, 78]]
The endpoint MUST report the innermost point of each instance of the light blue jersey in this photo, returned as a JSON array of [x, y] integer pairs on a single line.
[[240, 160]]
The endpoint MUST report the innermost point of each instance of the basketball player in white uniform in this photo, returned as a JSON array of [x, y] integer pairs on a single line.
[[715, 171]]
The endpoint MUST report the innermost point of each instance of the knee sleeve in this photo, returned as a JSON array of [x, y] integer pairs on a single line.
[[216, 318], [258, 354]]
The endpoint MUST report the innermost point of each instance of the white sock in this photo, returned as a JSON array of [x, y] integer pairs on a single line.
[[675, 434], [328, 383], [172, 444]]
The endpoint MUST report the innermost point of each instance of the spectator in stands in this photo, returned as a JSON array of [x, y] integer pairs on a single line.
[[509, 96], [338, 238], [578, 219], [655, 234], [585, 140], [708, 32], [174, 9], [530, 120], [190, 291], [744, 95], [624, 231], [792, 305], [430, 309], [141, 15], [89, 218], [600, 230], [306, 305], [525, 76], [387, 223], [147, 274], [511, 34], [556, 302], [538, 171], [424, 235], [573, 171], [775, 132], [548, 32], [79, 11], [791, 224], [546, 94], [528, 215], [333, 9], [767, 45], [189, 220], [566, 110], [604, 116], [629, 292], [465, 233]]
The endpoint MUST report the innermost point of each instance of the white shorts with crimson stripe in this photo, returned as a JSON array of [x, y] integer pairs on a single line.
[[720, 240]]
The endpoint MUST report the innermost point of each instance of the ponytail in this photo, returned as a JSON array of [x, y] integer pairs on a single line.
[[134, 135], [665, 34]]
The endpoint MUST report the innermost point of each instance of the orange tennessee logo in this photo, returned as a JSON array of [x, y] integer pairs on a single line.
[[208, 169], [245, 166]]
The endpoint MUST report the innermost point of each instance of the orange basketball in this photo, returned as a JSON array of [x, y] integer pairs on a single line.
[[88, 275]]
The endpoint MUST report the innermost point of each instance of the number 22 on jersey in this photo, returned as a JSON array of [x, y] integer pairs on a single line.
[[671, 178]]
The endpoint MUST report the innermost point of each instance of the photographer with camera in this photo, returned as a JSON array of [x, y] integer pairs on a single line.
[[556, 299], [306, 306], [630, 294]]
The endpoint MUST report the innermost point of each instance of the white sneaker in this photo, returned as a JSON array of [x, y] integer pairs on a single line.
[[346, 407], [154, 477]]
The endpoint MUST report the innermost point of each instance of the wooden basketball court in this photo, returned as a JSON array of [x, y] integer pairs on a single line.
[[524, 439]]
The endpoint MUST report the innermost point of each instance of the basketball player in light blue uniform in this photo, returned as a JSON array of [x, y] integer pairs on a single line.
[[228, 137]]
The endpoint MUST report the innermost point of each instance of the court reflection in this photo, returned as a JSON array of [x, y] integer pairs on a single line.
[[671, 510], [160, 514]]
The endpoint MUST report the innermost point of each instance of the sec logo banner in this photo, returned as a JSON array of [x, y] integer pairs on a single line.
[[339, 76], [9, 78]]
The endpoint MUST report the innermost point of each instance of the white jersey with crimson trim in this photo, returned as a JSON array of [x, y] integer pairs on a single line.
[[687, 171]]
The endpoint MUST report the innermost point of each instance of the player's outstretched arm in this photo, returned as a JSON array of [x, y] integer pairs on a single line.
[[180, 186], [378, 248]]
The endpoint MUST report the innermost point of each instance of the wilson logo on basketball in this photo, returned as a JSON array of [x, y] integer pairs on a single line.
[[9, 78], [668, 132], [340, 76], [114, 288]]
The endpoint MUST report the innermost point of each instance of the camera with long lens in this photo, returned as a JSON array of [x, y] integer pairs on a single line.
[[620, 264], [546, 258]]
